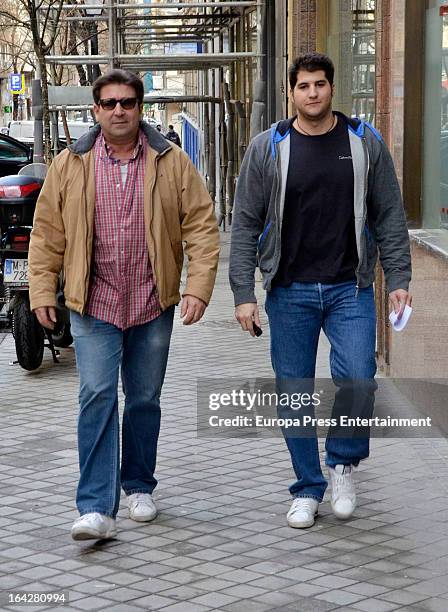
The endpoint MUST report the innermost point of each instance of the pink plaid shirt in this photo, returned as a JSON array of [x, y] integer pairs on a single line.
[[122, 288]]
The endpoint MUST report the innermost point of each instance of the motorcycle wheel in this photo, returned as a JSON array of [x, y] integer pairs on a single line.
[[63, 338], [28, 335]]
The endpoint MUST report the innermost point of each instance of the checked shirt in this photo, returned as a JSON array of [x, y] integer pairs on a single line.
[[122, 288]]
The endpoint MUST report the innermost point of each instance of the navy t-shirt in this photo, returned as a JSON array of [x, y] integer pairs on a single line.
[[318, 230]]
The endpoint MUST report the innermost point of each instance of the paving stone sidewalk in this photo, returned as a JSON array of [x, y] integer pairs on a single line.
[[220, 541]]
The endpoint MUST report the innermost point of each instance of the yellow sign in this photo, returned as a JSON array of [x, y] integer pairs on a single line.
[[17, 83]]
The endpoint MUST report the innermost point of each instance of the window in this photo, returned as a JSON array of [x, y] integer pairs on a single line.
[[12, 152], [350, 42], [363, 37], [444, 126], [435, 120]]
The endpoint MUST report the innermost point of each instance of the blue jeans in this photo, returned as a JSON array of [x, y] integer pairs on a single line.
[[296, 316], [142, 353]]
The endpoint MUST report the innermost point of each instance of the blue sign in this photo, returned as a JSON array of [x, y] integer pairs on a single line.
[[16, 82]]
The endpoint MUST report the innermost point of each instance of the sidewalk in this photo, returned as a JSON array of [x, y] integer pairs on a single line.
[[221, 541]]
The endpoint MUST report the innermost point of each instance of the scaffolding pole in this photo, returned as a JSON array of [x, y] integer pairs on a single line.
[[164, 5], [179, 61], [259, 102], [112, 37]]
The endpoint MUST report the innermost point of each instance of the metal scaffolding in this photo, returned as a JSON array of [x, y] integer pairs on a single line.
[[225, 77], [207, 20], [201, 61]]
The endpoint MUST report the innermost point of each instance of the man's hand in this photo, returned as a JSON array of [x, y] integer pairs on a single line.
[[192, 308], [399, 298], [247, 315], [46, 315]]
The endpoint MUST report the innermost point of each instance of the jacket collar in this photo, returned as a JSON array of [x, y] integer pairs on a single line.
[[155, 139], [354, 124], [283, 127]]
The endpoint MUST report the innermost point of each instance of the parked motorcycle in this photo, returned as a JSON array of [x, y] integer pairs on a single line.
[[18, 197]]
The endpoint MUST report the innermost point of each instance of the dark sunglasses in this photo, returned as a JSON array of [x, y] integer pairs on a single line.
[[111, 103]]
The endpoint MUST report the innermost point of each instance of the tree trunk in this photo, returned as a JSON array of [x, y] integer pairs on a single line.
[[15, 107], [45, 109], [65, 125], [230, 177]]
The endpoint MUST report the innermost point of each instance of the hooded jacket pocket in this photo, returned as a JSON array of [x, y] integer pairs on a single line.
[[262, 237], [266, 244]]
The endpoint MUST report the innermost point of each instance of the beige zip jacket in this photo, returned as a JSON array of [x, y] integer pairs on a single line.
[[178, 213]]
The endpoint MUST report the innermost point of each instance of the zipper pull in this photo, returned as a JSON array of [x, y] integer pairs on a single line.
[[356, 292]]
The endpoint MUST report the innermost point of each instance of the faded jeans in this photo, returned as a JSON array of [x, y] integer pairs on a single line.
[[296, 316], [142, 353]]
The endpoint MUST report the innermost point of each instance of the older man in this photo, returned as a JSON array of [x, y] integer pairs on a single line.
[[113, 214]]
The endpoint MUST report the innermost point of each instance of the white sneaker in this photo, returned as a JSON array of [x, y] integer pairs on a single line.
[[343, 495], [302, 512], [94, 526], [141, 507]]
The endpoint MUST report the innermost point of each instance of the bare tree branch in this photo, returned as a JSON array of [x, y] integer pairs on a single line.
[[56, 29], [14, 18]]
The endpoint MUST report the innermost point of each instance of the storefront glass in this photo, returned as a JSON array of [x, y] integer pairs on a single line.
[[397, 25], [351, 45], [363, 45], [435, 124]]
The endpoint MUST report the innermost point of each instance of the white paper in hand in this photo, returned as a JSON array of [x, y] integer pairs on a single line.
[[399, 325]]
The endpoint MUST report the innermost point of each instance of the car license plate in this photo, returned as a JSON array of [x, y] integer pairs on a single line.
[[15, 272]]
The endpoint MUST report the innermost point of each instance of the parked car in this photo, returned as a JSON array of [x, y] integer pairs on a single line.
[[13, 155], [24, 130]]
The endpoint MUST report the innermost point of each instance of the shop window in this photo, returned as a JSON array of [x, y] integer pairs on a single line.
[[350, 43], [435, 119], [444, 126], [363, 37]]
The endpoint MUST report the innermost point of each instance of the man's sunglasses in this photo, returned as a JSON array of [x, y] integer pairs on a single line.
[[111, 103]]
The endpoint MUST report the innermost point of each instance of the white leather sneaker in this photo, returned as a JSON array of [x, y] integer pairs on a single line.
[[94, 526], [302, 512], [141, 507], [343, 495]]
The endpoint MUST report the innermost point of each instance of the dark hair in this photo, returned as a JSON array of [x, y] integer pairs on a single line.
[[311, 62], [122, 77], [171, 127]]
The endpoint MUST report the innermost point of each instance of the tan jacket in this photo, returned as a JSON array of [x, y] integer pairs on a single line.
[[177, 207]]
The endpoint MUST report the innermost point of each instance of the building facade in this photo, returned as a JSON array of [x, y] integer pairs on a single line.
[[391, 59]]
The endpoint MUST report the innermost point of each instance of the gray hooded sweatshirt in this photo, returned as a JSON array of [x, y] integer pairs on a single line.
[[380, 221]]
